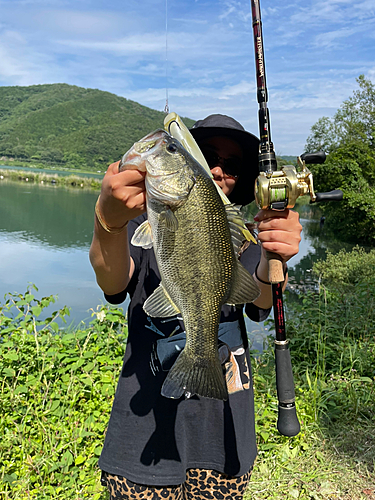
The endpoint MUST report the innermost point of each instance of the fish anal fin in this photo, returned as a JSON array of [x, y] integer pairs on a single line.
[[159, 304], [142, 236], [244, 289], [189, 375]]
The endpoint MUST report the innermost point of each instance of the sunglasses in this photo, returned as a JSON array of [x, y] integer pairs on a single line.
[[231, 167]]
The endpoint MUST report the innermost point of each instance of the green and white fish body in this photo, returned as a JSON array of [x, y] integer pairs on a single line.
[[195, 240]]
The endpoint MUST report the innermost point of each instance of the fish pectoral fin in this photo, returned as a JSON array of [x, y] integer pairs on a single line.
[[160, 305], [244, 288], [142, 236], [168, 218]]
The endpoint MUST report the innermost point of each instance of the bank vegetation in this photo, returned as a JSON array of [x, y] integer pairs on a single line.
[[58, 385]]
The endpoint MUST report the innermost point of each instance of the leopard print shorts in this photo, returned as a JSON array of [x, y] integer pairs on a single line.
[[200, 484]]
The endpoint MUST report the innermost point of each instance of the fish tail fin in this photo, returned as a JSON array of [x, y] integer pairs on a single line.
[[191, 376]]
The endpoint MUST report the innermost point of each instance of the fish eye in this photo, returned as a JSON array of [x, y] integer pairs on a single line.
[[172, 147]]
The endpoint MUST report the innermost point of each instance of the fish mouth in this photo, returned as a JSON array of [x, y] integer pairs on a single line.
[[131, 161], [134, 158]]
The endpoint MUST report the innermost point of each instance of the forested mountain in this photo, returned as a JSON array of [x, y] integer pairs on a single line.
[[71, 126]]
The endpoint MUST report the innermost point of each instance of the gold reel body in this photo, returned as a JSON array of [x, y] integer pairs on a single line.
[[280, 189]]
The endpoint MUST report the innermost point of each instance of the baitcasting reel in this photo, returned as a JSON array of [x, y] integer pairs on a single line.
[[280, 189]]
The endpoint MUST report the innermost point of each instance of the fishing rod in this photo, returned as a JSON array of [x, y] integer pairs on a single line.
[[278, 190]]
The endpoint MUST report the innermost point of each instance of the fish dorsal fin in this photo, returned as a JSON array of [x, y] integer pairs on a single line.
[[159, 304], [168, 218], [244, 289], [142, 236], [237, 227]]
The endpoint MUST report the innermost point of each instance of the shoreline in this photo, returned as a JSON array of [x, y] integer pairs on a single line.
[[10, 163], [72, 180]]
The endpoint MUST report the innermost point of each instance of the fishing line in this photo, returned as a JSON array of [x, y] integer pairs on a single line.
[[166, 108]]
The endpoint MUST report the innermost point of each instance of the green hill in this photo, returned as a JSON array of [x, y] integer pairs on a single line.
[[289, 160], [71, 126]]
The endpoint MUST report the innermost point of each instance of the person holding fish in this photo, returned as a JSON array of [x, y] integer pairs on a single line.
[[182, 422]]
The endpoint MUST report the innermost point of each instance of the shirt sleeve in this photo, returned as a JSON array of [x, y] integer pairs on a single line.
[[249, 259]]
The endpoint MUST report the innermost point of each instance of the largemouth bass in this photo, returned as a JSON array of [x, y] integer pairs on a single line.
[[195, 240]]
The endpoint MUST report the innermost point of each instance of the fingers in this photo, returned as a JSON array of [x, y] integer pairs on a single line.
[[279, 232], [130, 176], [123, 195]]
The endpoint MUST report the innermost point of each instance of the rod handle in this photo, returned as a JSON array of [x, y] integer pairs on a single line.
[[287, 422], [275, 268]]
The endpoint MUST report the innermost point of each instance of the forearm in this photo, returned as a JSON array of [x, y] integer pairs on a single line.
[[110, 259], [122, 198]]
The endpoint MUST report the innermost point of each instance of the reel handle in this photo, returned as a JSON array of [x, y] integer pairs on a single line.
[[319, 157], [335, 195]]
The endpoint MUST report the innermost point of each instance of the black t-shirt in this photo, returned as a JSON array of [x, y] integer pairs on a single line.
[[153, 440]]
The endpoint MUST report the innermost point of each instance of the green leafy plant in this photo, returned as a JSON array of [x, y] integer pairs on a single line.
[[56, 395], [349, 139]]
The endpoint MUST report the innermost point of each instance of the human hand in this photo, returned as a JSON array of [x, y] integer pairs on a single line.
[[122, 196], [279, 232]]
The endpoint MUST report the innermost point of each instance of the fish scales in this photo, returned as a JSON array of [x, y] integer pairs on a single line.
[[191, 238], [196, 277]]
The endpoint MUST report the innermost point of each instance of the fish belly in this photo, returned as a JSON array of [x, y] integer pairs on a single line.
[[196, 265]]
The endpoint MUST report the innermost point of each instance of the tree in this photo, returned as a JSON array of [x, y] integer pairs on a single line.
[[349, 139], [323, 136], [353, 121]]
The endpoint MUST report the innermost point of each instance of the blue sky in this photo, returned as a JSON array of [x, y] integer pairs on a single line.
[[314, 51]]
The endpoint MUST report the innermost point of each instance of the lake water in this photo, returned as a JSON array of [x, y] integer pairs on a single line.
[[45, 235]]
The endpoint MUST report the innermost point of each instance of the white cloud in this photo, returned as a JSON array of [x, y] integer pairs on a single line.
[[19, 64], [80, 23], [148, 44], [331, 39], [313, 51], [240, 89]]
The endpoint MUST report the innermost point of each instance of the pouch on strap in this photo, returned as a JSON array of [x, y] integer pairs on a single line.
[[169, 348]]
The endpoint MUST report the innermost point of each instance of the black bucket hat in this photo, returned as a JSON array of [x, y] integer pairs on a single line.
[[225, 126]]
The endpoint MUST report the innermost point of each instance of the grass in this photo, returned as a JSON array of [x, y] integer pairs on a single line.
[[332, 335], [327, 460], [42, 178], [58, 385], [55, 398]]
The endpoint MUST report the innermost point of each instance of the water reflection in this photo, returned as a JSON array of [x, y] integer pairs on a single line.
[[317, 240], [59, 217], [45, 234]]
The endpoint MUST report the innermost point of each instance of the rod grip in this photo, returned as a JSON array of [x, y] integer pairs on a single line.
[[287, 422], [275, 268]]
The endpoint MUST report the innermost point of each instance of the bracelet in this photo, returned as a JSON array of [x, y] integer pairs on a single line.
[[111, 230], [257, 277], [266, 282]]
